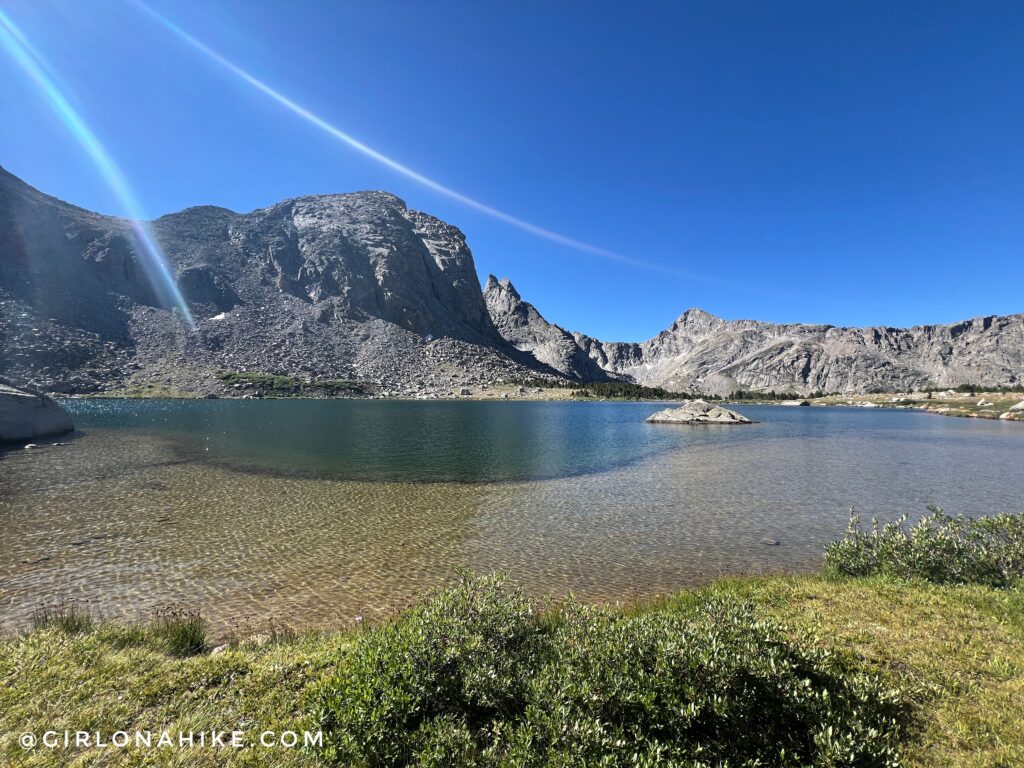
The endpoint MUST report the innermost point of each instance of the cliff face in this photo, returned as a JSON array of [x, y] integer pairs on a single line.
[[337, 286], [357, 286]]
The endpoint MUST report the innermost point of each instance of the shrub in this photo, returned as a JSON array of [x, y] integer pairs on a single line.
[[435, 679], [180, 631], [475, 677], [939, 548], [718, 686]]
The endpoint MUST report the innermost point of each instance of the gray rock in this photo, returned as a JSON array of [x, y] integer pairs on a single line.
[[698, 412], [524, 327], [1018, 407], [27, 415]]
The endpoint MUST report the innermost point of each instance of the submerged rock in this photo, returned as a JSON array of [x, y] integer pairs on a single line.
[[698, 412], [25, 415]]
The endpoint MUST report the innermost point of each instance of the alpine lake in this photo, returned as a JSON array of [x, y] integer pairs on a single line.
[[307, 513]]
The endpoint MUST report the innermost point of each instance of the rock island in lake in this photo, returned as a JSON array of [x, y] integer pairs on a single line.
[[698, 412]]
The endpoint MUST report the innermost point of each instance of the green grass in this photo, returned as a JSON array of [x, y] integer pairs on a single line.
[[998, 403], [116, 677], [69, 617], [610, 390], [179, 630], [922, 652], [957, 653]]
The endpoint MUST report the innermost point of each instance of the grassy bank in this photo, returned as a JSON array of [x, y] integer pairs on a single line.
[[908, 655]]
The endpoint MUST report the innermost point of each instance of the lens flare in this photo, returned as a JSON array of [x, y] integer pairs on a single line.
[[389, 162], [152, 259]]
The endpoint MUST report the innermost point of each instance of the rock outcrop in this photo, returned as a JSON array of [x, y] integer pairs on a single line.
[[27, 415], [698, 412], [524, 327]]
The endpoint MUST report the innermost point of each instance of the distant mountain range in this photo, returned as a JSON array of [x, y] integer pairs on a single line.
[[358, 287]]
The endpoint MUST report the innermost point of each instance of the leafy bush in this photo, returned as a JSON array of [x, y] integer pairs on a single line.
[[939, 548], [441, 675], [476, 677]]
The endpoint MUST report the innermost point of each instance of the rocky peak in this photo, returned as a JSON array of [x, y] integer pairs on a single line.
[[338, 285], [696, 320], [502, 286], [505, 305]]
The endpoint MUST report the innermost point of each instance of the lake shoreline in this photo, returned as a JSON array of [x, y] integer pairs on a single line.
[[957, 405]]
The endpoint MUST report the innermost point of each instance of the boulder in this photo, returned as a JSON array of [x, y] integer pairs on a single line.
[[26, 415], [698, 412], [1018, 407]]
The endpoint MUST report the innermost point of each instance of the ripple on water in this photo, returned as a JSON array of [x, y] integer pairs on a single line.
[[129, 520]]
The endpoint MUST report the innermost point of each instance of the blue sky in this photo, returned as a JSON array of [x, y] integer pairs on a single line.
[[849, 163]]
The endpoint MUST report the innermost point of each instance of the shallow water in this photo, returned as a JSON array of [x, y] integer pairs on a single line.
[[313, 512]]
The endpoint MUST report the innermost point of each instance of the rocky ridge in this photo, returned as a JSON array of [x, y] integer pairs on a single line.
[[358, 287], [706, 354]]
